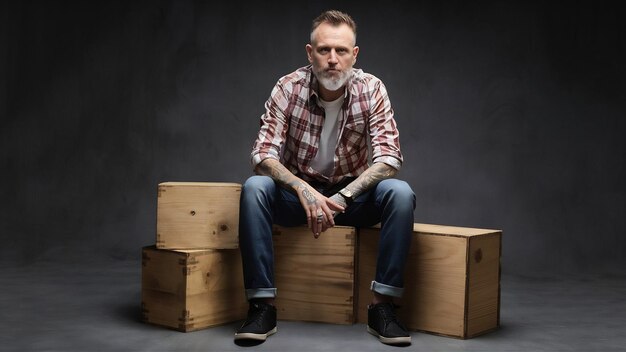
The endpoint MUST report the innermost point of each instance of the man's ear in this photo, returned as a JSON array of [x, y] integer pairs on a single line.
[[309, 52], [355, 52]]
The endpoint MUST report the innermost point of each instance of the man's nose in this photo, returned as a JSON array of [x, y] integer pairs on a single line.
[[332, 58]]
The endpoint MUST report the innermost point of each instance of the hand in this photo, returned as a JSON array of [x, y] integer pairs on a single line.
[[339, 199], [319, 209]]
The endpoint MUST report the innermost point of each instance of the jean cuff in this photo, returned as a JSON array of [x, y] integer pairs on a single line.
[[386, 289], [260, 293]]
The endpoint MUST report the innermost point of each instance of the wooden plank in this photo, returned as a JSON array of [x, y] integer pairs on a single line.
[[201, 184], [451, 230], [195, 215], [315, 277], [484, 284]]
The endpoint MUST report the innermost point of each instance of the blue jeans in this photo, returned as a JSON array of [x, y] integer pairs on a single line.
[[264, 203]]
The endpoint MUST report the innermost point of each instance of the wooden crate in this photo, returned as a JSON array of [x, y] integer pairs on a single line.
[[452, 279], [188, 290], [315, 277], [198, 215]]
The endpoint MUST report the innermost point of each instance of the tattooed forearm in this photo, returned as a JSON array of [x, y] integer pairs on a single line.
[[279, 173], [371, 177], [275, 170]]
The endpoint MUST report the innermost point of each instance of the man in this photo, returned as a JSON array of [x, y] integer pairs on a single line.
[[311, 161]]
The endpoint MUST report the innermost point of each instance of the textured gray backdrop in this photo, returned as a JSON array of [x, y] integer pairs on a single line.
[[512, 116]]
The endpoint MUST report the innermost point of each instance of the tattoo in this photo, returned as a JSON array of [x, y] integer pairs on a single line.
[[371, 177], [276, 171], [310, 198], [279, 173]]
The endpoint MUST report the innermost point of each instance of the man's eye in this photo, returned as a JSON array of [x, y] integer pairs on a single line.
[[324, 51]]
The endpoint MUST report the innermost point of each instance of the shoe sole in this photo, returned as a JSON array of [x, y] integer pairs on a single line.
[[402, 340], [252, 336]]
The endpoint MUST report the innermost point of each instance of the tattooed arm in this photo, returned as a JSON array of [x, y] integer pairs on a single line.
[[367, 180], [312, 201]]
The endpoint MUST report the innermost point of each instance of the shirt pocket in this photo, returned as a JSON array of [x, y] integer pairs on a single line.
[[354, 133]]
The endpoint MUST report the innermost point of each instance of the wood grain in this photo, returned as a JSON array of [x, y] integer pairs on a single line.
[[483, 311], [315, 277], [196, 215], [439, 279], [191, 290]]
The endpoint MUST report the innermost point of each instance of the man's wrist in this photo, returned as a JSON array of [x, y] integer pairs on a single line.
[[297, 186], [338, 198], [347, 195]]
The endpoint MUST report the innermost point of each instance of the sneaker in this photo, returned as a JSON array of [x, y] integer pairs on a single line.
[[260, 324], [382, 323]]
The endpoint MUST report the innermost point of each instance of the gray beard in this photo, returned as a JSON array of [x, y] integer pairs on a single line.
[[333, 84]]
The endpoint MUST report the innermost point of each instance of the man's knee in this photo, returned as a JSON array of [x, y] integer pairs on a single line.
[[397, 191], [257, 185]]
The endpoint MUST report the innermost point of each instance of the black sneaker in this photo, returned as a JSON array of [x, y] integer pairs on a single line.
[[260, 324], [382, 323]]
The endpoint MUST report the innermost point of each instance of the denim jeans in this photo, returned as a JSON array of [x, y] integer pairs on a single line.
[[264, 203]]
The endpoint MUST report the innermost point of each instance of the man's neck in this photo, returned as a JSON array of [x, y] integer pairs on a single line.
[[329, 95]]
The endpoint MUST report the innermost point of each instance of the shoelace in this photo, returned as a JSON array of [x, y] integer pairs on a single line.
[[389, 316], [257, 315]]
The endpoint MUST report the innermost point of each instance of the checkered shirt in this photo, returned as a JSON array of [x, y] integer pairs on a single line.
[[292, 123]]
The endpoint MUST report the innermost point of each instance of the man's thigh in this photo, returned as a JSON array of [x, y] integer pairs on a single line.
[[287, 210], [363, 212]]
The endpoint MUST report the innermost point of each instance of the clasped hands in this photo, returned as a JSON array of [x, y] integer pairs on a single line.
[[320, 210]]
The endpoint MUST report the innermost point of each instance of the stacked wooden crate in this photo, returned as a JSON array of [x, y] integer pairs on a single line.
[[192, 278]]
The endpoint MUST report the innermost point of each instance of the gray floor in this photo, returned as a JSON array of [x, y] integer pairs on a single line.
[[94, 306]]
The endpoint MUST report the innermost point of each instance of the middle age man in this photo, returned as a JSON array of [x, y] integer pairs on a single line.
[[311, 161]]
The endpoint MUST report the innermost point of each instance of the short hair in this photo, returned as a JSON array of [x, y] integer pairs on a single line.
[[334, 18]]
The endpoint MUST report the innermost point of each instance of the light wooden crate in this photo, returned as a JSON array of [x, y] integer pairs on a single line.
[[188, 290], [315, 277], [452, 279], [198, 215]]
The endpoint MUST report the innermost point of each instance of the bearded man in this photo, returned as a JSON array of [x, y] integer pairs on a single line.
[[321, 125]]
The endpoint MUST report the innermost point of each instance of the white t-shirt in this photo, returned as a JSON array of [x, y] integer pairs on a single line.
[[325, 158]]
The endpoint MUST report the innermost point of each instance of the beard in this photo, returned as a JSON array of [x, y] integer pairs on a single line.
[[332, 82]]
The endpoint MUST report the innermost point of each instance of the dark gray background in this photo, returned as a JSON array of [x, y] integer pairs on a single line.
[[511, 116]]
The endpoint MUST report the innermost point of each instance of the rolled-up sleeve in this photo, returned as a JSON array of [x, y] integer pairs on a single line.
[[384, 133], [274, 124]]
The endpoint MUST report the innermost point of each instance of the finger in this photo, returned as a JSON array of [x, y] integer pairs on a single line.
[[334, 206], [330, 220], [316, 230], [319, 221], [314, 225], [313, 221], [313, 214], [328, 215]]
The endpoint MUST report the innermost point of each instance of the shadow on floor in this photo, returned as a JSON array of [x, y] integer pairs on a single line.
[[130, 313]]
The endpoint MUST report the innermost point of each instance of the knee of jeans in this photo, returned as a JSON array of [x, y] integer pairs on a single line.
[[258, 182], [256, 185], [398, 191]]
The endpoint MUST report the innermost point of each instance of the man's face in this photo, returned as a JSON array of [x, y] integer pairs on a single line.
[[332, 54]]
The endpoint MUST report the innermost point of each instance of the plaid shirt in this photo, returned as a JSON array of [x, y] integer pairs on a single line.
[[293, 120]]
